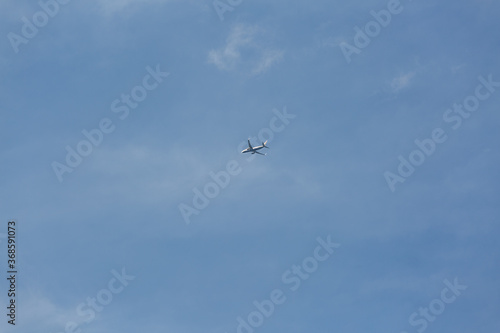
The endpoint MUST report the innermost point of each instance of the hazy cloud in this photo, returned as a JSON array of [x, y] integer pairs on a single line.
[[402, 81], [244, 48]]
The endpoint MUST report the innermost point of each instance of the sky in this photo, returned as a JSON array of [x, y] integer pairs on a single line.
[[374, 210]]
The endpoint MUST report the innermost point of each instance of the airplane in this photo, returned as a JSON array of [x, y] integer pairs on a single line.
[[254, 150]]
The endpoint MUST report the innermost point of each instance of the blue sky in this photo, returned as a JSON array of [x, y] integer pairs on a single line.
[[112, 230]]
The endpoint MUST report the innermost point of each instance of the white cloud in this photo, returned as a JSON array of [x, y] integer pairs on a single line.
[[244, 48], [40, 312], [402, 81], [227, 57], [269, 58]]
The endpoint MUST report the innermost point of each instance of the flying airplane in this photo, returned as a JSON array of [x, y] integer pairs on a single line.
[[254, 150]]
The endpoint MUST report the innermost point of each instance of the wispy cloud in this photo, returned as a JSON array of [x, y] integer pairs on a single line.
[[269, 58], [227, 57], [402, 81], [457, 68], [244, 48], [40, 310]]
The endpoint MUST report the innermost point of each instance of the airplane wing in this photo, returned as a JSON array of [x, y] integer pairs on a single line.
[[260, 153], [249, 144]]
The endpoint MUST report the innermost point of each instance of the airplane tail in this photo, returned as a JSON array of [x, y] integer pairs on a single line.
[[264, 144]]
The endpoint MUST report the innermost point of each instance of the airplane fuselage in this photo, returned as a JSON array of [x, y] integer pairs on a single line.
[[251, 150], [254, 150]]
